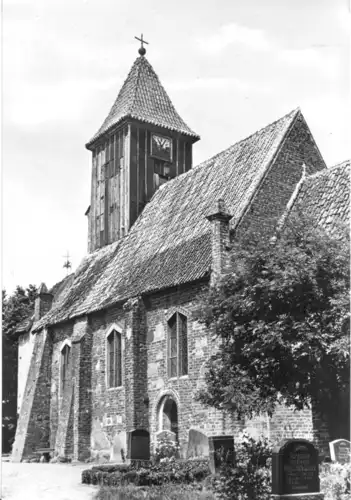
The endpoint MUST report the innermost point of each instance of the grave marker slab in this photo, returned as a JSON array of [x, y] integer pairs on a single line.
[[197, 444], [139, 445], [217, 444], [169, 435], [340, 450], [295, 471]]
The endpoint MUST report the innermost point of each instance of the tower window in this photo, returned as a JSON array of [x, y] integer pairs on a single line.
[[65, 366], [177, 346], [114, 347]]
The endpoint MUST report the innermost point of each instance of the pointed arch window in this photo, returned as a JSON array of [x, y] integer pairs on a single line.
[[114, 352], [177, 345], [65, 366]]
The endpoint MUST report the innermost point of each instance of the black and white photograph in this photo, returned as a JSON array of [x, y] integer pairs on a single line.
[[175, 250]]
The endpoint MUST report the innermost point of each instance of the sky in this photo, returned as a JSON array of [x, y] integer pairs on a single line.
[[229, 66]]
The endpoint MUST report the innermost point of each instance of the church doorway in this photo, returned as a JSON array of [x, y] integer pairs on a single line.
[[168, 416]]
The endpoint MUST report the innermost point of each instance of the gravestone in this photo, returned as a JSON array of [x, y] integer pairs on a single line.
[[197, 444], [139, 445], [340, 450], [295, 471], [220, 447], [166, 435]]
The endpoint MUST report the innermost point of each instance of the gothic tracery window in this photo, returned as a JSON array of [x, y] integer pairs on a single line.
[[114, 347], [65, 366], [177, 345]]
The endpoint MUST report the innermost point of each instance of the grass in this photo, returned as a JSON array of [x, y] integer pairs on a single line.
[[165, 492]]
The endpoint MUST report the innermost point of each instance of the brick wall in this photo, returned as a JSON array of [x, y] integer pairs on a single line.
[[33, 428], [108, 435], [25, 352], [277, 187], [61, 402]]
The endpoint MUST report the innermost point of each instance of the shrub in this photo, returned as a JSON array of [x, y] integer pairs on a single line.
[[249, 478], [333, 480], [165, 492], [166, 449], [184, 472]]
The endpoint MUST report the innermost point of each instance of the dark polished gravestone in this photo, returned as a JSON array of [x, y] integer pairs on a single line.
[[295, 471], [139, 445], [340, 450], [221, 448]]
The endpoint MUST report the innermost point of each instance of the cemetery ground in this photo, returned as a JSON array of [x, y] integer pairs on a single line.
[[35, 481]]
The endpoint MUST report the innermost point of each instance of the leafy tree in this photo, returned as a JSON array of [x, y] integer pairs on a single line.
[[15, 308], [281, 320]]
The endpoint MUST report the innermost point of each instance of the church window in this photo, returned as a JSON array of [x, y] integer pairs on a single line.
[[65, 366], [177, 345], [114, 346]]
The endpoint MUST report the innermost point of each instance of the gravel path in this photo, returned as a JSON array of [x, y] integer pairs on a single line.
[[21, 481]]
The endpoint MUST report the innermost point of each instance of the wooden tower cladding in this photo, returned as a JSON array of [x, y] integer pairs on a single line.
[[142, 143], [128, 166]]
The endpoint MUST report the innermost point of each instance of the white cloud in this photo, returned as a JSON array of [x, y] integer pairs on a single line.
[[325, 59], [34, 104], [234, 34]]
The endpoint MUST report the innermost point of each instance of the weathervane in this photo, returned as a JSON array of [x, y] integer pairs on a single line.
[[67, 264], [142, 50]]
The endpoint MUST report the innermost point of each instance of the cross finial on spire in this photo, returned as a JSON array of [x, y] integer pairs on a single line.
[[67, 263], [142, 50]]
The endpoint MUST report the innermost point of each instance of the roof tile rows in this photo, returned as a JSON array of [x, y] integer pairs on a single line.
[[170, 243], [325, 196], [143, 98]]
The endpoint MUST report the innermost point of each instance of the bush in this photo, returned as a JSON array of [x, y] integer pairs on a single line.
[[166, 450], [179, 472], [249, 478], [333, 480], [165, 492]]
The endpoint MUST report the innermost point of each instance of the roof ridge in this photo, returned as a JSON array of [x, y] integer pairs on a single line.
[[203, 163], [343, 164], [138, 61]]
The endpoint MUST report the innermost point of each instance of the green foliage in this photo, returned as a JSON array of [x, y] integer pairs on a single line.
[[165, 492], [249, 478], [281, 320], [166, 450], [333, 481], [177, 472], [15, 308]]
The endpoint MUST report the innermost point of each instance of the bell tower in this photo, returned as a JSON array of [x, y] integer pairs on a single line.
[[142, 143]]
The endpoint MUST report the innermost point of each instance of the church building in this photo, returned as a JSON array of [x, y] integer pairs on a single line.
[[114, 355]]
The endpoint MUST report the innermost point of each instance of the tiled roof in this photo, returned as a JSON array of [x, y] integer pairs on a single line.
[[170, 243], [59, 288], [325, 196], [143, 98]]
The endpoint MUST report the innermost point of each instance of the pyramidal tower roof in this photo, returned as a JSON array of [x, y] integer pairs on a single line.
[[143, 98]]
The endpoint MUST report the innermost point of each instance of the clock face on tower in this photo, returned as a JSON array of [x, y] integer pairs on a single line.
[[161, 147]]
